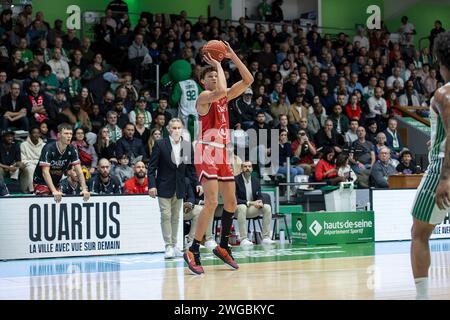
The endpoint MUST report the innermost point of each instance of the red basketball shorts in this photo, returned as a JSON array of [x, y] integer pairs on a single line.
[[212, 163]]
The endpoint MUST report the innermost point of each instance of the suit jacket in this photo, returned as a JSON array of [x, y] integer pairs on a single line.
[[390, 140], [294, 115], [163, 173], [241, 193]]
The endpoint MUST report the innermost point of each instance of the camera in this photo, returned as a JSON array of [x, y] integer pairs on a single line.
[[348, 150]]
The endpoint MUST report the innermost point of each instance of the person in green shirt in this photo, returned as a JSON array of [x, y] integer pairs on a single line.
[[27, 54], [72, 84], [48, 80], [185, 94]]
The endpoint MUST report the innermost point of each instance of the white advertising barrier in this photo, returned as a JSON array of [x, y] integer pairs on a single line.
[[37, 227], [393, 218]]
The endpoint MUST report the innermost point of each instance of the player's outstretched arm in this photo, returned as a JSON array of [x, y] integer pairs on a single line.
[[443, 190], [209, 96], [49, 182], [247, 79]]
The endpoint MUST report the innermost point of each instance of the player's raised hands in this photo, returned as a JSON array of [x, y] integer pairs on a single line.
[[230, 52], [210, 60]]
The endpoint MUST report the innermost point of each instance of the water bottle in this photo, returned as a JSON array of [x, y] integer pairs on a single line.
[[282, 238]]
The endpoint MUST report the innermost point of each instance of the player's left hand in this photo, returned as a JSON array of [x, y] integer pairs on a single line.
[[199, 190], [443, 194], [86, 195], [230, 52]]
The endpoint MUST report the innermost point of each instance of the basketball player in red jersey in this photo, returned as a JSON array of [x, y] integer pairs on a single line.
[[211, 161]]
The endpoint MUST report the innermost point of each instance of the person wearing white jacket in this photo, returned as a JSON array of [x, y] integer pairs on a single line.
[[30, 151], [59, 67], [344, 169]]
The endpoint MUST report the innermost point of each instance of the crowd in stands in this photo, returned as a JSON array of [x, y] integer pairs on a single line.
[[332, 97]]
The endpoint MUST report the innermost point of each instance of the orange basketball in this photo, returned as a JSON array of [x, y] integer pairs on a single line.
[[216, 49]]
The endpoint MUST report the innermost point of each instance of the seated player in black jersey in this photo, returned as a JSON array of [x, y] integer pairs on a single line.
[[54, 160]]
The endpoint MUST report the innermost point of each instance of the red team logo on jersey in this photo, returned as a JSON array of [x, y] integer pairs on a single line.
[[223, 131], [211, 160]]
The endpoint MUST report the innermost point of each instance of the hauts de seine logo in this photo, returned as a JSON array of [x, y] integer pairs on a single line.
[[299, 224], [315, 228]]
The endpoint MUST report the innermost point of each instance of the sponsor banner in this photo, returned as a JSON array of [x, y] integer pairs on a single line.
[[333, 227], [393, 218], [37, 227]]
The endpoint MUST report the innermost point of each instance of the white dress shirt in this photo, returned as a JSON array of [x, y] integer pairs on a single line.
[[248, 189], [176, 151]]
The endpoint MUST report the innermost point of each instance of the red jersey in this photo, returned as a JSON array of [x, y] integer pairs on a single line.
[[132, 186], [215, 124], [211, 159]]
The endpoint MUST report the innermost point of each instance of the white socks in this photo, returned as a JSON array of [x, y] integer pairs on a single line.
[[422, 288]]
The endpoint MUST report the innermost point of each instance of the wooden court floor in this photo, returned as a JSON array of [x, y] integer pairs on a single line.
[[343, 272]]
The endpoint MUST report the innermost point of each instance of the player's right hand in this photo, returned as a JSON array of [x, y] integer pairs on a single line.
[[210, 60], [443, 194], [58, 196], [152, 192]]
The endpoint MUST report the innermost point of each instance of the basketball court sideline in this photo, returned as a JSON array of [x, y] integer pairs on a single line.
[[280, 272]]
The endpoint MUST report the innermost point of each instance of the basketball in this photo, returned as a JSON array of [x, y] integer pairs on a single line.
[[216, 49], [194, 82]]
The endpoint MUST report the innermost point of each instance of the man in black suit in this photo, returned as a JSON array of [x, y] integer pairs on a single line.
[[250, 205], [170, 163]]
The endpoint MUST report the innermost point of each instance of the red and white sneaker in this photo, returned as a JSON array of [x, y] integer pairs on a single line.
[[193, 261], [226, 257]]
